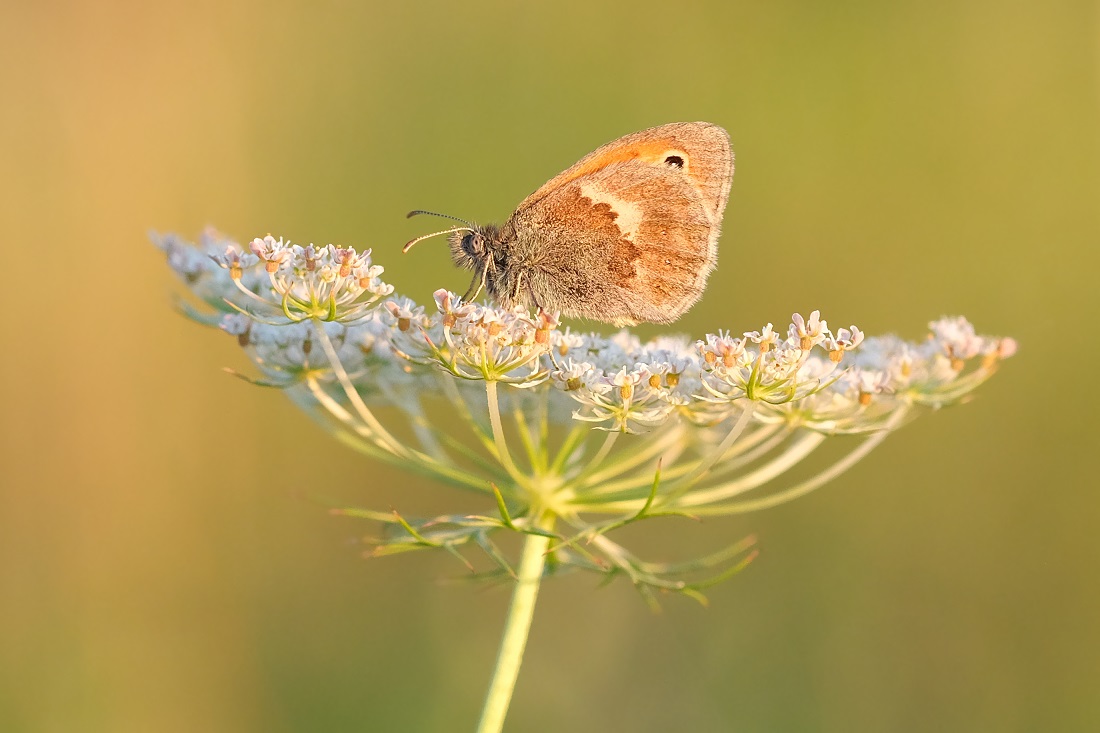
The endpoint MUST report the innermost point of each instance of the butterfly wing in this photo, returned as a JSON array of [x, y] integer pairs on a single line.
[[629, 233]]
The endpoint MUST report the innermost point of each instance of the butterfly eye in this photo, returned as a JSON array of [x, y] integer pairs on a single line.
[[674, 161], [471, 244]]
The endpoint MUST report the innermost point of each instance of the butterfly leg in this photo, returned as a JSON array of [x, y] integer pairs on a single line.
[[523, 293], [534, 299], [476, 286]]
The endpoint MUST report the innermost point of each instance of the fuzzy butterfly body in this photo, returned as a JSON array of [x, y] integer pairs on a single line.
[[627, 234]]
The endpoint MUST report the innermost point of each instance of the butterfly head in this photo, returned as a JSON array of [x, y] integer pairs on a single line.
[[473, 247]]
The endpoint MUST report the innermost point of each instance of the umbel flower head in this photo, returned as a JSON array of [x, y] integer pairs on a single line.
[[569, 435]]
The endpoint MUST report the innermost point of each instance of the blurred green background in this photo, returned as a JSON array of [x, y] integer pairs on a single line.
[[163, 564]]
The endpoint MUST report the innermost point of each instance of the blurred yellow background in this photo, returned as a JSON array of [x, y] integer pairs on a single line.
[[164, 563]]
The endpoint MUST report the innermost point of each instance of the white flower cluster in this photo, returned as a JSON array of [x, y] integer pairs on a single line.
[[277, 282], [451, 392], [273, 296], [472, 341]]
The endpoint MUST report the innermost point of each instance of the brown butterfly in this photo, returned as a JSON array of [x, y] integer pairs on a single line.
[[627, 234]]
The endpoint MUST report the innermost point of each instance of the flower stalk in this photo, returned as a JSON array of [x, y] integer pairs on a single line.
[[517, 627]]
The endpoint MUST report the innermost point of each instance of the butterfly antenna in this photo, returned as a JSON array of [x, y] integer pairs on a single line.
[[411, 242], [417, 212]]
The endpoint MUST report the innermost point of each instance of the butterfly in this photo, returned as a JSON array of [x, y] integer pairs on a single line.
[[627, 234]]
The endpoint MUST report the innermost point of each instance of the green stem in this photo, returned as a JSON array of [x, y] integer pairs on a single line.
[[528, 577], [809, 485], [503, 454], [381, 436]]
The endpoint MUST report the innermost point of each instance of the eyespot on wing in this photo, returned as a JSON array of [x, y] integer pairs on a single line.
[[700, 150]]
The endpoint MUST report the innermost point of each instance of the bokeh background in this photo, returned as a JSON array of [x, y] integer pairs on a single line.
[[164, 563]]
